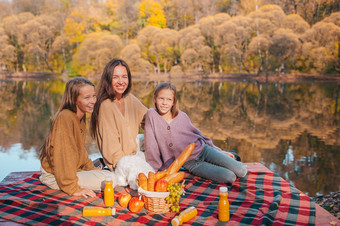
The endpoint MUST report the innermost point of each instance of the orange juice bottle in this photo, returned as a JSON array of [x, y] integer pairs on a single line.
[[91, 211], [223, 205], [109, 193], [185, 216]]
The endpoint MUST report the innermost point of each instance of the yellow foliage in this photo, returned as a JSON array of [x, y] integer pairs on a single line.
[[74, 30], [112, 7], [151, 13]]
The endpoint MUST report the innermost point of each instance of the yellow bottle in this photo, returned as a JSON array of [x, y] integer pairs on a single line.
[[185, 216], [223, 205], [109, 193], [91, 211]]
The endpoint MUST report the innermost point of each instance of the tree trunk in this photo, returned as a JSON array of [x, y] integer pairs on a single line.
[[337, 67], [63, 51], [165, 69], [258, 43], [243, 63], [23, 65], [266, 63], [47, 63], [158, 67]]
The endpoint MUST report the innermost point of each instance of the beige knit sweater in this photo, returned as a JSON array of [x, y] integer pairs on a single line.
[[117, 133]]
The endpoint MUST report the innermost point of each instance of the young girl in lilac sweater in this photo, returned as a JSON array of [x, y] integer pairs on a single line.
[[168, 131]]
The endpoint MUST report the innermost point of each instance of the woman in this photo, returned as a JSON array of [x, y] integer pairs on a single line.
[[117, 114], [64, 161], [168, 131]]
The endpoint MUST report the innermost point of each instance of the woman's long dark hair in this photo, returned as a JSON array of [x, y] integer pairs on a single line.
[[69, 101], [105, 90]]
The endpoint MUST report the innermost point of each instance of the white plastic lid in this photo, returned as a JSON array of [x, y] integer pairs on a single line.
[[175, 221], [224, 189], [113, 211], [108, 179]]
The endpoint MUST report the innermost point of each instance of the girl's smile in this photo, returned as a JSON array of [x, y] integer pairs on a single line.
[[165, 102]]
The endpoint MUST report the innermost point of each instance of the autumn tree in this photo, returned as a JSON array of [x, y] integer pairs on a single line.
[[265, 21], [5, 9], [11, 25], [333, 18], [32, 6], [132, 54], [7, 54], [163, 49], [233, 37], [321, 46], [259, 46], [145, 39], [311, 11], [284, 48], [195, 55], [208, 26], [151, 13], [244, 7], [295, 23], [122, 15], [37, 36], [61, 52], [179, 14], [95, 51], [83, 19]]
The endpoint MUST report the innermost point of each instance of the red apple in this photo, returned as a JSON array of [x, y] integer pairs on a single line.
[[136, 204], [124, 199], [161, 185]]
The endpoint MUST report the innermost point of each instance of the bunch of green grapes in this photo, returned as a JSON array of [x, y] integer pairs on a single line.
[[176, 190]]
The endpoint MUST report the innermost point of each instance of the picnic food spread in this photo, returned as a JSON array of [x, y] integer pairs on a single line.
[[160, 193], [207, 197]]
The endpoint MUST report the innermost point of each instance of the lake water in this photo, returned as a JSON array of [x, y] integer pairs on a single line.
[[293, 129]]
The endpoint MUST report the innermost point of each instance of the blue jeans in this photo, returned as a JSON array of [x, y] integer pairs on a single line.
[[215, 165]]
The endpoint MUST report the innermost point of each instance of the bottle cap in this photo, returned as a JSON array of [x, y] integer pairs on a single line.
[[113, 211], [175, 221], [108, 179], [224, 189]]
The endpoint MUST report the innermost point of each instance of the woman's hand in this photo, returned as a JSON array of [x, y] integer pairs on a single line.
[[85, 193]]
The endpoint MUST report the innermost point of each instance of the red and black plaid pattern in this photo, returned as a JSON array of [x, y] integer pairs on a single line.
[[257, 199]]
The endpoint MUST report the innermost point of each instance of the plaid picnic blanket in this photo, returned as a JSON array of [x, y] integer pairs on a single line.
[[257, 199]]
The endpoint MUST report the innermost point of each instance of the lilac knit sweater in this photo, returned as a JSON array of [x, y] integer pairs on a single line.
[[164, 142]]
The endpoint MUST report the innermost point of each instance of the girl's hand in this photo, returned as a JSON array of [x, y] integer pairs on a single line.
[[85, 193]]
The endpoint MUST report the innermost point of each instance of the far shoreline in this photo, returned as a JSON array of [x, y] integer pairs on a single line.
[[234, 77]]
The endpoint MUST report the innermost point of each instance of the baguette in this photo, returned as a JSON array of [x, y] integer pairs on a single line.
[[151, 181], [161, 174], [143, 181], [180, 160], [174, 177]]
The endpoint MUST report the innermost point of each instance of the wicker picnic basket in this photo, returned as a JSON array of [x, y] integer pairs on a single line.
[[154, 201]]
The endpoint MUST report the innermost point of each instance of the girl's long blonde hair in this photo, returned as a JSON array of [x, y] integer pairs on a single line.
[[68, 101]]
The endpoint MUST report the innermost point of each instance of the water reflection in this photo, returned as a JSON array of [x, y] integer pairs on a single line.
[[293, 129]]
